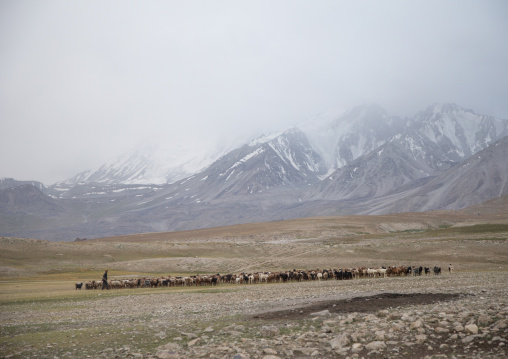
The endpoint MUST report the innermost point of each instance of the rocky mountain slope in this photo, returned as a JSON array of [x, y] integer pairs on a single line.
[[361, 162], [481, 177]]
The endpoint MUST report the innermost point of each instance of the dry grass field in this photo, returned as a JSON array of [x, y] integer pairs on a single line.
[[42, 315]]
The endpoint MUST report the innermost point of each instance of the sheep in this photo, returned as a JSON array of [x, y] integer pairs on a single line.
[[116, 284], [382, 272], [263, 278]]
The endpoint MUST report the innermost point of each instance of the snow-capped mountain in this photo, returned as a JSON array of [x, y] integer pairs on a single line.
[[279, 160], [362, 145], [335, 139], [442, 133], [457, 132], [360, 162], [375, 174], [479, 178], [155, 161], [343, 138], [433, 141]]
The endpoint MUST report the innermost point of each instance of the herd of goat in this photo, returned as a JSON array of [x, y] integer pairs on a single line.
[[262, 277]]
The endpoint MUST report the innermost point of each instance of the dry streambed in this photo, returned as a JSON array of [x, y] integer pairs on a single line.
[[461, 314]]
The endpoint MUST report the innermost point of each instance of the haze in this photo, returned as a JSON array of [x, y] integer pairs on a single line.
[[83, 81]]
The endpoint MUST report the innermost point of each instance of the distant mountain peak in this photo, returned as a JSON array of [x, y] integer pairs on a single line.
[[446, 108], [441, 133]]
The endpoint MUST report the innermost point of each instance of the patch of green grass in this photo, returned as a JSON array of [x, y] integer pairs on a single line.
[[416, 230], [479, 228]]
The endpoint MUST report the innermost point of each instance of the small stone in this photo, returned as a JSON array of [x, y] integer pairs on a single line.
[[458, 328], [190, 335], [501, 324], [416, 324], [469, 339], [357, 347], [269, 330], [194, 342], [208, 330], [269, 351], [421, 338], [376, 345], [339, 341], [442, 330], [471, 328]]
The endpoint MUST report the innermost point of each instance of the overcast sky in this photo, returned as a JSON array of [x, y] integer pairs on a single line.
[[83, 81]]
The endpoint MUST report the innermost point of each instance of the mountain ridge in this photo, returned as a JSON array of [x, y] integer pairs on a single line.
[[378, 164]]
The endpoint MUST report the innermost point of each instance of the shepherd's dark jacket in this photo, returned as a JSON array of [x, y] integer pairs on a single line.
[[105, 276]]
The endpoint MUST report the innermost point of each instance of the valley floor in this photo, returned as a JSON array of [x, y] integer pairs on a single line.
[[463, 315]]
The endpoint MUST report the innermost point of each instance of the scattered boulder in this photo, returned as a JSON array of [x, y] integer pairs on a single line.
[[340, 341], [471, 328], [416, 324], [269, 330], [376, 345], [421, 338]]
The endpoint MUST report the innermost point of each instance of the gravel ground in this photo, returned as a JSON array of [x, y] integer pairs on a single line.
[[459, 315]]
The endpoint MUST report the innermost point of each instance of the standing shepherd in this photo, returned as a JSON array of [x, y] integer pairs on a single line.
[[450, 269], [105, 280]]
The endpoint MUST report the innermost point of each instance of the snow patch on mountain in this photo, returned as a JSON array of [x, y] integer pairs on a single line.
[[256, 152]]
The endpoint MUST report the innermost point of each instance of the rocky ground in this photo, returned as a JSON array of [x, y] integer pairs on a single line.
[[458, 315]]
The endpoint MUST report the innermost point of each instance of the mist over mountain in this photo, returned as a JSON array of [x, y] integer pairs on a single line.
[[342, 139], [362, 161]]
